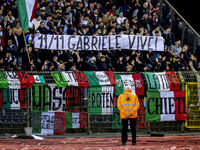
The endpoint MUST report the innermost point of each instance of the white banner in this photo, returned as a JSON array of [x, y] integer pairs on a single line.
[[72, 42]]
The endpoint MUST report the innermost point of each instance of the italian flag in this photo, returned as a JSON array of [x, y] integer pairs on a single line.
[[134, 81], [100, 78], [68, 78], [14, 80], [27, 10], [165, 81], [75, 120], [166, 106], [48, 123], [37, 79]]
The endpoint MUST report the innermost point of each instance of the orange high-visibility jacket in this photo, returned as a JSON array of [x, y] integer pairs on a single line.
[[128, 103]]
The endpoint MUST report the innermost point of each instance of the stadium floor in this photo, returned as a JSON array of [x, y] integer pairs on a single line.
[[99, 143]]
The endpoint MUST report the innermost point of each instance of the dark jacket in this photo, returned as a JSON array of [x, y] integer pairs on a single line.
[[169, 38], [94, 18], [86, 66]]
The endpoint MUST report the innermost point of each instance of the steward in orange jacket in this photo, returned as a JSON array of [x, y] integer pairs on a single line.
[[128, 103]]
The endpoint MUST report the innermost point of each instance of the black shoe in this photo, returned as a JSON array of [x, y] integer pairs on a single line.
[[124, 143], [134, 144]]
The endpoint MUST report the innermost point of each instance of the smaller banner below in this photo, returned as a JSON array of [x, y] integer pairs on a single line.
[[166, 81], [166, 106], [14, 80], [76, 120]]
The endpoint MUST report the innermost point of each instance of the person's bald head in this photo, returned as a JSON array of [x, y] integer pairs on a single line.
[[127, 88]]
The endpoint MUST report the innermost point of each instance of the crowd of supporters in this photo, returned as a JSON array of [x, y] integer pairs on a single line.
[[90, 17]]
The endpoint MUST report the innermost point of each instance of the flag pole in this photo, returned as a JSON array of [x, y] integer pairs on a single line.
[[27, 51]]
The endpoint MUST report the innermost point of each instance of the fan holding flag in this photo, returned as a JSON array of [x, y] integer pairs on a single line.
[[27, 10]]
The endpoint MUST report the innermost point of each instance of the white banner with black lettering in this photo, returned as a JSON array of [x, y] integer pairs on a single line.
[[72, 42]]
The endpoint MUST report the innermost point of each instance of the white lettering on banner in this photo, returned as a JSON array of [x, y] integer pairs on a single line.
[[72, 42], [107, 106]]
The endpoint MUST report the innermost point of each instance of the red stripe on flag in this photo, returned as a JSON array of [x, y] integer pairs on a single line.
[[23, 98], [180, 105], [173, 81], [83, 120], [32, 79], [34, 10], [2, 41], [111, 77], [139, 84], [24, 79], [59, 123], [81, 79]]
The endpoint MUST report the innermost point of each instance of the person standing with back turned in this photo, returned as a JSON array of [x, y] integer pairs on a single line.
[[128, 104]]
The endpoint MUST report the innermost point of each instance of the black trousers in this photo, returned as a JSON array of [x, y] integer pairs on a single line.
[[133, 123]]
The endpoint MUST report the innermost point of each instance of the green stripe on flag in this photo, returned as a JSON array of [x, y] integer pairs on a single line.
[[59, 79], [39, 98], [41, 79], [153, 112], [68, 120], [96, 100], [21, 6], [92, 79], [6, 99], [119, 87], [152, 82], [3, 81]]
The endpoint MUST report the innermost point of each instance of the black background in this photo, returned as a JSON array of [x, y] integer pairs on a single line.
[[189, 10]]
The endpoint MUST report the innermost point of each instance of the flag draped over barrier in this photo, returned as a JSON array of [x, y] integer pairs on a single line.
[[58, 99]]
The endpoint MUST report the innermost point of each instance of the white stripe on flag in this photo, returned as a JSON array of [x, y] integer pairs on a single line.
[[37, 79], [15, 104], [29, 9], [163, 82], [166, 116], [70, 78], [75, 120], [58, 103], [102, 78], [47, 123], [13, 80], [107, 106], [128, 81]]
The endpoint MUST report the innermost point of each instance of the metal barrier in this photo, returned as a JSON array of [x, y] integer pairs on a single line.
[[78, 108], [193, 105]]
